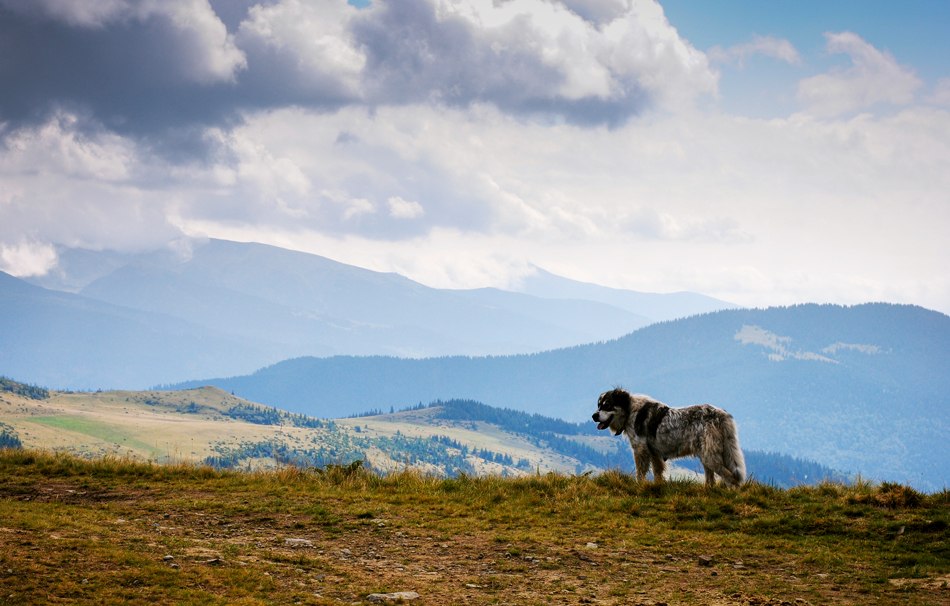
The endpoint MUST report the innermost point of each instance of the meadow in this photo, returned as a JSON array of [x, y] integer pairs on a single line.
[[112, 530]]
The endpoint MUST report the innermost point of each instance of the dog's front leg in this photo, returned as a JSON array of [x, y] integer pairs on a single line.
[[659, 467], [642, 458]]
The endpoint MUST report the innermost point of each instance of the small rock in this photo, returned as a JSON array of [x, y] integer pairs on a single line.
[[214, 561], [298, 543], [392, 597], [473, 586], [346, 551], [85, 581], [168, 558], [738, 565], [592, 546], [705, 560]]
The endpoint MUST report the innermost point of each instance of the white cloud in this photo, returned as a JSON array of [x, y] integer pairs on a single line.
[[402, 209], [874, 77], [524, 56], [58, 147], [941, 94], [316, 32], [769, 46], [27, 258], [358, 206]]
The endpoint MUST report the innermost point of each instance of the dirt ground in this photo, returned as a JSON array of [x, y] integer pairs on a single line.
[[86, 545]]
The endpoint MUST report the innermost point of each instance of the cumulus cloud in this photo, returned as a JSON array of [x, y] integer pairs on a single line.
[[26, 258], [310, 45], [146, 66], [874, 77], [590, 62], [769, 46], [403, 209]]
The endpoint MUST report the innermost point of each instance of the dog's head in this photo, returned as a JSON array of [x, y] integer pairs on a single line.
[[613, 410]]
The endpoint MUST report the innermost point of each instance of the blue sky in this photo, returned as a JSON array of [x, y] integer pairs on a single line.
[[914, 32], [763, 153]]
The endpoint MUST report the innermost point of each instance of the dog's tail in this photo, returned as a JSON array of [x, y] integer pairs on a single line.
[[732, 456]]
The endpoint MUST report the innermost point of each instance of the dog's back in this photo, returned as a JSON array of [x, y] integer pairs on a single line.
[[702, 431]]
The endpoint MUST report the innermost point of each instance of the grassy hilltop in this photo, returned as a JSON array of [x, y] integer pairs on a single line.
[[210, 426], [102, 531]]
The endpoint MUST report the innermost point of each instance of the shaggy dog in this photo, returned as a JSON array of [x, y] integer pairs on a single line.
[[658, 432]]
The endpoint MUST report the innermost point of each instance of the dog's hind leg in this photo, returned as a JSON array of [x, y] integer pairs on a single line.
[[723, 473], [710, 476]]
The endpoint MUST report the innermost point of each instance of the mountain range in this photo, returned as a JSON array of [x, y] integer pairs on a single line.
[[103, 319], [863, 389]]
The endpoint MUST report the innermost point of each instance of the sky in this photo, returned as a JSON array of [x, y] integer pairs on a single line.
[[765, 153]]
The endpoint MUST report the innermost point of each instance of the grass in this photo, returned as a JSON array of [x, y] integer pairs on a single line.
[[78, 531]]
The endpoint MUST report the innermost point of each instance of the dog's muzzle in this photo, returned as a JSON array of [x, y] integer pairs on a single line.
[[601, 425]]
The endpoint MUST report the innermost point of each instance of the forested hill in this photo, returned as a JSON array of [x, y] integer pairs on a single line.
[[862, 388]]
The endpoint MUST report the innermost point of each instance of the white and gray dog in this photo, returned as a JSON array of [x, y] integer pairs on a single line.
[[658, 432]]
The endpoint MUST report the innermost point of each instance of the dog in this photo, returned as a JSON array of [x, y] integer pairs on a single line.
[[658, 433]]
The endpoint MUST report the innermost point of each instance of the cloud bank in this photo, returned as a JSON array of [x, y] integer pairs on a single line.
[[146, 65], [461, 142]]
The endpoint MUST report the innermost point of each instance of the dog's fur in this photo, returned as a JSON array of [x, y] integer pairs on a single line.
[[658, 432]]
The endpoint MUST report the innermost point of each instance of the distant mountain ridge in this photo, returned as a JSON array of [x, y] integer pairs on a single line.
[[63, 340], [658, 307], [228, 308], [862, 389]]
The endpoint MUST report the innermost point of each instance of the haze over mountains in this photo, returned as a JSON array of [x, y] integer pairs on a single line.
[[860, 389], [227, 308]]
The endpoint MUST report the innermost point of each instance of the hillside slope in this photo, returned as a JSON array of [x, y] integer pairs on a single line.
[[210, 426], [861, 389]]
